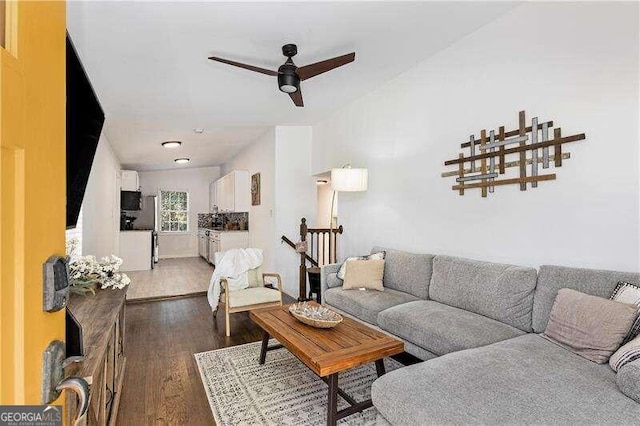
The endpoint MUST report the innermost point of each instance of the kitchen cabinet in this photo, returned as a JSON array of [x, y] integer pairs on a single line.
[[233, 192], [226, 240], [203, 249], [129, 180], [136, 250], [212, 197]]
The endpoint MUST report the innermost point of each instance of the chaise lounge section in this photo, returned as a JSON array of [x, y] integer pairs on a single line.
[[478, 324]]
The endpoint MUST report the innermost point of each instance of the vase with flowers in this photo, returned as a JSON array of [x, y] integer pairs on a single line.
[[87, 273]]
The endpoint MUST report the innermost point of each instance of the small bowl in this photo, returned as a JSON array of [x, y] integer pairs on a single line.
[[326, 319]]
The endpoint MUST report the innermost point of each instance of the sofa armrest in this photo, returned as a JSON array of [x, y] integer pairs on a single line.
[[628, 380], [329, 278]]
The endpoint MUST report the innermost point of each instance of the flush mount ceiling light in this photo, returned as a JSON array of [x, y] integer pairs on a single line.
[[182, 160], [171, 144], [198, 130]]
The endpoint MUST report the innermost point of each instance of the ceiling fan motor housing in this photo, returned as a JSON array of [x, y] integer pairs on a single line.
[[288, 80]]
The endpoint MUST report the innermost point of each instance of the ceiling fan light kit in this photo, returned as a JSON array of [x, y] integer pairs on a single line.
[[289, 75]]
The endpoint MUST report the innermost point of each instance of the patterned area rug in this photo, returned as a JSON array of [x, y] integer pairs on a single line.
[[281, 392]]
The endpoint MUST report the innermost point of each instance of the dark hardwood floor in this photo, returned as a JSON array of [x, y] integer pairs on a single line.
[[162, 385]]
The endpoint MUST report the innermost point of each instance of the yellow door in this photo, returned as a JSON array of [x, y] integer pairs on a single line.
[[32, 188]]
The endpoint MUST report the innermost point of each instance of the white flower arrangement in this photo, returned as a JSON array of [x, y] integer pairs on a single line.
[[87, 272]]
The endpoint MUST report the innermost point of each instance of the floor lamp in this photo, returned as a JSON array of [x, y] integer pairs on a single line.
[[345, 179]]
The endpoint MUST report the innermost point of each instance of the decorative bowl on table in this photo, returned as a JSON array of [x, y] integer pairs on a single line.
[[315, 315]]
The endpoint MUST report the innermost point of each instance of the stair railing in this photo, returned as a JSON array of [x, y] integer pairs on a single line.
[[318, 246]]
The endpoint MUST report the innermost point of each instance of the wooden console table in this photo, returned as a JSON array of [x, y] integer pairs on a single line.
[[102, 318]]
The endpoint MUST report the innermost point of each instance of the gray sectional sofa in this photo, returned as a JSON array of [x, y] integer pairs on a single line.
[[477, 324]]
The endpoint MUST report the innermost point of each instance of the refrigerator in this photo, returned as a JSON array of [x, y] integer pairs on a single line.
[[148, 220]]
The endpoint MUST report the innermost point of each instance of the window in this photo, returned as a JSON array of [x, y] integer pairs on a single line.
[[174, 211]]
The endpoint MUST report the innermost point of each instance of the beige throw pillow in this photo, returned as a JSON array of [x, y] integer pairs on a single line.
[[364, 274], [589, 326]]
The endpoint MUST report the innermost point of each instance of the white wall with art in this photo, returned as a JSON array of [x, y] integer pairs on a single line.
[[282, 157], [557, 68], [259, 157]]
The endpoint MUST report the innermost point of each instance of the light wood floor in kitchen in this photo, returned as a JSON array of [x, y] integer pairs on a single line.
[[170, 278]]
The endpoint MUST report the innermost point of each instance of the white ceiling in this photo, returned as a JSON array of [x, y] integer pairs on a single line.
[[148, 64]]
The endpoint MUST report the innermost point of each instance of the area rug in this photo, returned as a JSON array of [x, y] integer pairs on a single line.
[[283, 391]]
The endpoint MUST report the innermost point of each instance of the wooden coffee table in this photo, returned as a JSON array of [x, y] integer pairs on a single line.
[[327, 351]]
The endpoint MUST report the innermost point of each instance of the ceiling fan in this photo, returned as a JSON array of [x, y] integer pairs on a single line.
[[289, 75]]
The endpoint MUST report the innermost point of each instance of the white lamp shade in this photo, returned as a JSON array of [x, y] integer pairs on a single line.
[[349, 180]]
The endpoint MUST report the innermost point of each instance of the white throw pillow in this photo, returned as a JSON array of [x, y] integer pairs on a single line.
[[628, 293], [627, 353]]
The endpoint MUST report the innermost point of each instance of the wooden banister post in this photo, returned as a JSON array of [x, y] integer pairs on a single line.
[[303, 263]]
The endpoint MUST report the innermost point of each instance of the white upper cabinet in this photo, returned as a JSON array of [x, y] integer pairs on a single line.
[[129, 180], [232, 192], [212, 196]]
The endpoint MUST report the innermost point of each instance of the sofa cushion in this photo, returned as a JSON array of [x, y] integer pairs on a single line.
[[591, 281], [525, 380], [253, 296], [365, 304], [441, 329], [628, 380], [407, 272], [498, 291]]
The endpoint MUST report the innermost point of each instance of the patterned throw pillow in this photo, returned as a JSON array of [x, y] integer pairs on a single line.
[[626, 353], [628, 293], [374, 256]]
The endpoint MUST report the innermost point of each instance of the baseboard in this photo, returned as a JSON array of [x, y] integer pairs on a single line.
[[161, 298], [177, 256]]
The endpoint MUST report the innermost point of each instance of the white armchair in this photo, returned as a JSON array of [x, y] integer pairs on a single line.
[[259, 294]]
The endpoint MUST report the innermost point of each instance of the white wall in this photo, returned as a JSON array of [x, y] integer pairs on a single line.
[[196, 181], [259, 157], [296, 198], [574, 63], [101, 204], [282, 157]]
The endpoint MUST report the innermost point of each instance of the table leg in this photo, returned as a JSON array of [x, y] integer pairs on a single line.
[[332, 407], [380, 367], [263, 350]]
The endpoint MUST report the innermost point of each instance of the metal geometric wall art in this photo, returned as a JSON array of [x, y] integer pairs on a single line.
[[491, 154]]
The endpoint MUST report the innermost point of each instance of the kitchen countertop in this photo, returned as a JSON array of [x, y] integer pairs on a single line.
[[223, 230]]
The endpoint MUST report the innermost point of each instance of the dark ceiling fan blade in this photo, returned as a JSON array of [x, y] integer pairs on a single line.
[[312, 70], [245, 66], [296, 97]]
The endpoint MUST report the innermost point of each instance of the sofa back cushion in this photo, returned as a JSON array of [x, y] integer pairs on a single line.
[[498, 291], [595, 282], [407, 272]]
